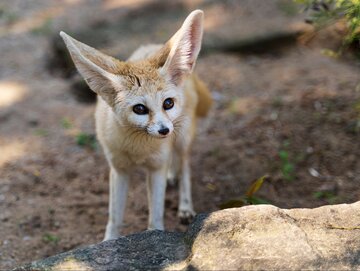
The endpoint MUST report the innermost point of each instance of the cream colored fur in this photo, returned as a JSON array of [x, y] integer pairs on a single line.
[[152, 74]]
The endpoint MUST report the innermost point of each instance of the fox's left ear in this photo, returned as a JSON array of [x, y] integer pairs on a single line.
[[184, 48]]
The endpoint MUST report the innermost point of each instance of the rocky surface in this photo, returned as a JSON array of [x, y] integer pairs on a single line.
[[258, 237]]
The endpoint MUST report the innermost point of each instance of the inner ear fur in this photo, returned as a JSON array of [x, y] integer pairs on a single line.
[[159, 58], [99, 70], [183, 48]]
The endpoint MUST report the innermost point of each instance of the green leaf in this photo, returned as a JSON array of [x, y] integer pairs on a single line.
[[233, 203], [50, 238], [65, 123], [41, 132], [86, 140], [284, 155], [256, 185], [288, 168], [255, 200], [324, 195]]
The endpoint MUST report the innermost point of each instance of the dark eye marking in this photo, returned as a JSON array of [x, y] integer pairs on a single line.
[[140, 109], [138, 81], [168, 104]]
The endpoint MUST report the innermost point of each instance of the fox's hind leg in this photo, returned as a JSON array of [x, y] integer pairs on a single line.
[[186, 210], [183, 149]]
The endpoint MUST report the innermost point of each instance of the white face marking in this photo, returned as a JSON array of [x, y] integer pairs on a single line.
[[157, 117]]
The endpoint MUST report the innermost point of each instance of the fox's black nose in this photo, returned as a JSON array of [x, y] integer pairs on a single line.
[[164, 131]]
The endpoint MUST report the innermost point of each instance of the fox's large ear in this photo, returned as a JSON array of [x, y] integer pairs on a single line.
[[184, 48], [97, 68]]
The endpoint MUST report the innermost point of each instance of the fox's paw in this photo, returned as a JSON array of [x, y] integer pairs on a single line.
[[186, 216], [112, 232], [171, 178], [172, 181], [111, 236]]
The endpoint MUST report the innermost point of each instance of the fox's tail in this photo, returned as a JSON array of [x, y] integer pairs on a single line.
[[205, 100]]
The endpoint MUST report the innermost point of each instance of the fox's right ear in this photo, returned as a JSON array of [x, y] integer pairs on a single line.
[[184, 48], [97, 69]]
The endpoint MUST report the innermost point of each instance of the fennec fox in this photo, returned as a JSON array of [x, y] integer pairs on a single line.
[[146, 116]]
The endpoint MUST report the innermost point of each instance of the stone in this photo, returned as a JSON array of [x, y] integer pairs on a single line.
[[258, 237]]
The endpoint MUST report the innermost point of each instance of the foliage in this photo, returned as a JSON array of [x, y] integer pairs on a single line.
[[325, 12], [86, 140], [248, 198], [287, 167], [7, 17], [51, 238], [41, 132], [354, 125], [327, 195], [289, 8], [66, 123], [43, 29]]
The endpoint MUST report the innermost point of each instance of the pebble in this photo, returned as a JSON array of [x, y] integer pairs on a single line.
[[26, 238]]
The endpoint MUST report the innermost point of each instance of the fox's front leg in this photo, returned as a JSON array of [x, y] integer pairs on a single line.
[[156, 187], [119, 182], [186, 210], [173, 170]]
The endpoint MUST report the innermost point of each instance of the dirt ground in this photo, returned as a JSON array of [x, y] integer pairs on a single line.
[[292, 114]]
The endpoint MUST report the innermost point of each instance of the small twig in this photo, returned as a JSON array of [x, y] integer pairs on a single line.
[[334, 227]]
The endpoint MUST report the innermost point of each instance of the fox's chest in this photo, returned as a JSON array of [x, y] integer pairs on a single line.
[[139, 154]]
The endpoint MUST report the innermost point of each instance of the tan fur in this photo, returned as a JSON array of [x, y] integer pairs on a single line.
[[150, 77], [205, 100], [197, 104], [142, 70]]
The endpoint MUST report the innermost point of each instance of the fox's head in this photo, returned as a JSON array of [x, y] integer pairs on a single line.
[[148, 94]]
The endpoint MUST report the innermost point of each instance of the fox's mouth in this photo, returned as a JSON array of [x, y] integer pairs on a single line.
[[158, 135], [164, 136]]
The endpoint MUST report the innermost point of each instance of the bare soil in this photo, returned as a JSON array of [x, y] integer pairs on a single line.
[[292, 114]]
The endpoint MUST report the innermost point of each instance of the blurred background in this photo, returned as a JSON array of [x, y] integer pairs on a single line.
[[284, 129]]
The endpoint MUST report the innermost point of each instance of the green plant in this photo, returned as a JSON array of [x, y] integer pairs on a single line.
[[354, 125], [8, 16], [248, 198], [287, 7], [43, 29], [277, 102], [41, 132], [287, 167], [66, 123], [86, 140], [51, 238], [325, 12], [327, 195]]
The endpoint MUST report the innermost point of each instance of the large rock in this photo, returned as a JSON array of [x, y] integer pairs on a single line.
[[258, 237]]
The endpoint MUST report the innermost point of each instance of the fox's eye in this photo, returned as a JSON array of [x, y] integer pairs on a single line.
[[140, 109], [168, 104]]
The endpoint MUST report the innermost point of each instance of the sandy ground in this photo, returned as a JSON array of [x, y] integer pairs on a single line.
[[293, 114]]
